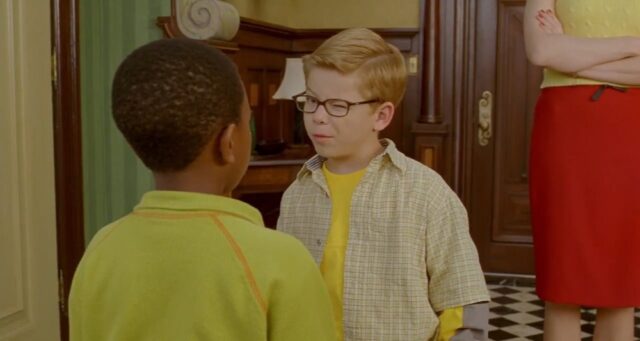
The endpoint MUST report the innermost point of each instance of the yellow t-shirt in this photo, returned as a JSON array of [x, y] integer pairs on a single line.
[[188, 266], [593, 19], [341, 188]]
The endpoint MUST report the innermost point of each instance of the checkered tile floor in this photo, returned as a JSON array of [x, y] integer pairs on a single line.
[[516, 313]]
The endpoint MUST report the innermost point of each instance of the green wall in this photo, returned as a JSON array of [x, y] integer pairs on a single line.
[[113, 178]]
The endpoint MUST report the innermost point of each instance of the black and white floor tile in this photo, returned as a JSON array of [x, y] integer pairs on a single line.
[[516, 313]]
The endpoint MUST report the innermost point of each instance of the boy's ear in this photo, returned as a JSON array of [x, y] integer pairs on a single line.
[[226, 144], [384, 115]]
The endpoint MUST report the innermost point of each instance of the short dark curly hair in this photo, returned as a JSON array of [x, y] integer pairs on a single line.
[[169, 98]]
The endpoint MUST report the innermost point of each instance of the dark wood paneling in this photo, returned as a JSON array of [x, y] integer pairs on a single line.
[[432, 32], [447, 42], [499, 193], [473, 46], [429, 150], [430, 145], [516, 91], [67, 148]]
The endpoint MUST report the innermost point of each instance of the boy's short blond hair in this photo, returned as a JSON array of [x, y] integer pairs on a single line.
[[380, 65]]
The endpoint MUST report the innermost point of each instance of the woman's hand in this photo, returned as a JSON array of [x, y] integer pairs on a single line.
[[548, 22]]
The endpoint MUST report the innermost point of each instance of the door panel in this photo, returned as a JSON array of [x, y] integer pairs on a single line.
[[28, 275], [500, 195]]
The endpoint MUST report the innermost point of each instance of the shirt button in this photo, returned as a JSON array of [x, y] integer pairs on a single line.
[[319, 242]]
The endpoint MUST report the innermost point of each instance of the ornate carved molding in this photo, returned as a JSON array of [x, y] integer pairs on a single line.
[[196, 19], [206, 19]]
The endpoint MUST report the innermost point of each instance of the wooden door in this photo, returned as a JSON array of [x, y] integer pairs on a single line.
[[505, 92]]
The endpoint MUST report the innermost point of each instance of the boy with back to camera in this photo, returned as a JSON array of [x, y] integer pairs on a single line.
[[190, 263], [390, 236]]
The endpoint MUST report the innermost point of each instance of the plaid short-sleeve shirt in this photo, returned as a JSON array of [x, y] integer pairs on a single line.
[[409, 252]]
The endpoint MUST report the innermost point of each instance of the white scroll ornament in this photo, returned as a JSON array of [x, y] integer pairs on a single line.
[[207, 19]]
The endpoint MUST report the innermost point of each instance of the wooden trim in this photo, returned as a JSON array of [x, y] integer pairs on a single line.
[[169, 25], [248, 24], [462, 75], [429, 150], [431, 60], [284, 39], [447, 84], [467, 126], [431, 129], [433, 140], [67, 148]]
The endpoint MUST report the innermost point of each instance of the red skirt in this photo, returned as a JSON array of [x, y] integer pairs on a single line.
[[585, 196]]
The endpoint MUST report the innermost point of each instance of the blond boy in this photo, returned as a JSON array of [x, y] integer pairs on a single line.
[[390, 236]]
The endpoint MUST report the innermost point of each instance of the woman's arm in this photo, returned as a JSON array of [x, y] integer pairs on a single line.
[[570, 54], [625, 71]]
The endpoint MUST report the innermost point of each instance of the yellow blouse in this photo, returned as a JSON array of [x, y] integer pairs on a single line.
[[593, 19]]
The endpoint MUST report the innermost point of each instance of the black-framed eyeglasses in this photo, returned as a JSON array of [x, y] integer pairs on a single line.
[[334, 106]]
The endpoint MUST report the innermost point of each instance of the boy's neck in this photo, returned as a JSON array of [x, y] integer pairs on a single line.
[[189, 182], [356, 162]]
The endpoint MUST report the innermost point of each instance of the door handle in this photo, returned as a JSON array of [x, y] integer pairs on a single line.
[[485, 111]]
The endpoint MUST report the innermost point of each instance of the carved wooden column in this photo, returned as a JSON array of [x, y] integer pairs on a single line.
[[431, 61], [448, 68]]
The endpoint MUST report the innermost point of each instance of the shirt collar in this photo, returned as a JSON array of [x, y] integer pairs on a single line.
[[190, 202], [390, 155]]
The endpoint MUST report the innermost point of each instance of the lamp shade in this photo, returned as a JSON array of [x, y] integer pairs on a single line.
[[293, 82]]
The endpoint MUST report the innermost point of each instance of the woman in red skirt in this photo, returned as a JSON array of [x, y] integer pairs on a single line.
[[585, 163]]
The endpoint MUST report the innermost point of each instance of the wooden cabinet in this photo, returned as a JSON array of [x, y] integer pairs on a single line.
[[273, 173], [265, 182], [269, 176]]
